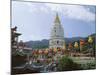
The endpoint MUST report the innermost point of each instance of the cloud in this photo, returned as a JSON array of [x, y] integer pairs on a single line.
[[73, 11], [77, 12]]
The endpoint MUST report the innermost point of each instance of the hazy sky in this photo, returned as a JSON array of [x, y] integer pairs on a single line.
[[34, 20]]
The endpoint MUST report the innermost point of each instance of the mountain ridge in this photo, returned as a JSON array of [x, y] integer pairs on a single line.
[[45, 42]]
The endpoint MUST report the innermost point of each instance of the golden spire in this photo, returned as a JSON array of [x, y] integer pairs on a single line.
[[57, 20]]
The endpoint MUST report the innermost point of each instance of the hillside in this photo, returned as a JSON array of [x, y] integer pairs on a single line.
[[45, 42]]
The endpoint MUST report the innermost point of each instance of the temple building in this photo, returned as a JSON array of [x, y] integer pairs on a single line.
[[14, 39], [57, 35]]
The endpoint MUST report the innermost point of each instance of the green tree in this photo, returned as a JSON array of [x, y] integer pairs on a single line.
[[67, 64]]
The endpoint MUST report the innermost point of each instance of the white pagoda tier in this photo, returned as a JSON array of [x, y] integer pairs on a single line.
[[57, 35]]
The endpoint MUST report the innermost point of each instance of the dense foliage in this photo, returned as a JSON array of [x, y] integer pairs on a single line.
[[67, 64]]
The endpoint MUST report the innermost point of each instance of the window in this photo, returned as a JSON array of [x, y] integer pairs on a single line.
[[57, 42]]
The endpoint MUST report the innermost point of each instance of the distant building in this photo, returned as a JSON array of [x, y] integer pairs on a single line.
[[57, 35]]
